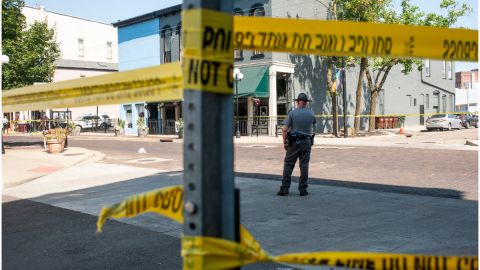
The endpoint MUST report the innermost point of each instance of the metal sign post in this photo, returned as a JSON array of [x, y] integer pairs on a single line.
[[209, 208]]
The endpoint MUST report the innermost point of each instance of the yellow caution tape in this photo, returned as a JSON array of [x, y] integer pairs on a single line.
[[208, 51], [159, 83], [342, 38], [200, 252], [165, 201]]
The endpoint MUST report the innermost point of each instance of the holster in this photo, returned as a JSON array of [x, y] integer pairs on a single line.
[[289, 139]]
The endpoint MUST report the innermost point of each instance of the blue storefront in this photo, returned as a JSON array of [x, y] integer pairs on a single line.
[[148, 40]]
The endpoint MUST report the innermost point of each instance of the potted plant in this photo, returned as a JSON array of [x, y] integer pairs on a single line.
[[72, 129], [142, 127], [55, 140], [180, 127], [119, 128]]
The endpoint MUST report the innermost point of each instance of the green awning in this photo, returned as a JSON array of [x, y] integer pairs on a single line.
[[254, 83]]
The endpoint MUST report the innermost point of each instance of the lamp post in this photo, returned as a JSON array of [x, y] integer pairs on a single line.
[[237, 76], [5, 60]]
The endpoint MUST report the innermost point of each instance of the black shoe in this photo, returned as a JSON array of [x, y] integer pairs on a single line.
[[282, 193], [303, 193]]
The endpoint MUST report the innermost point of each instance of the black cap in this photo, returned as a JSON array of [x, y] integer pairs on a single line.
[[303, 97]]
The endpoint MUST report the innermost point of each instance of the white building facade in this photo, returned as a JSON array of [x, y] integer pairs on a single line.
[[88, 48]]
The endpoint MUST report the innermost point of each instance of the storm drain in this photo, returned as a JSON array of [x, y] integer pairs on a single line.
[[73, 154], [148, 160], [259, 146], [331, 147]]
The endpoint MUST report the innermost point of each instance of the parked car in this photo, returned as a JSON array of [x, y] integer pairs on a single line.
[[90, 121], [468, 120], [443, 121]]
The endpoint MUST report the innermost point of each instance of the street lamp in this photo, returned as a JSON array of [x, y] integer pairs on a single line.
[[237, 76], [5, 59]]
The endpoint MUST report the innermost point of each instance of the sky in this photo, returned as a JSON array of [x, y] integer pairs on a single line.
[[110, 11]]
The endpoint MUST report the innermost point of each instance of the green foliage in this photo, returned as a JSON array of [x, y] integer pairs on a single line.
[[141, 123], [412, 15], [13, 21], [120, 124], [32, 51], [363, 10], [56, 134]]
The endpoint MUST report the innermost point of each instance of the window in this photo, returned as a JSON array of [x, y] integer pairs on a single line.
[[450, 103], [444, 69], [257, 10], [444, 103], [180, 40], [237, 53], [427, 101], [167, 44], [109, 50], [449, 70], [427, 67], [81, 48], [414, 102], [409, 100]]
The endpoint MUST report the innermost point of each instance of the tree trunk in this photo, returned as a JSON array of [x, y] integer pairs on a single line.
[[358, 98], [334, 98], [335, 114], [373, 108]]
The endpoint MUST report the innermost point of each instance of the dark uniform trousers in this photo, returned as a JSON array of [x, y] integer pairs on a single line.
[[298, 150]]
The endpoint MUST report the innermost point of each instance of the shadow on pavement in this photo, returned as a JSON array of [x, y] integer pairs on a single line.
[[10, 145], [432, 192], [40, 236]]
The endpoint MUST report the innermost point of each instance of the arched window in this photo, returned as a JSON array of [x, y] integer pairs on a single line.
[[257, 10], [167, 44], [237, 53]]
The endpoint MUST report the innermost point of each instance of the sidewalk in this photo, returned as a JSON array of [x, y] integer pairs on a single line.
[[26, 164]]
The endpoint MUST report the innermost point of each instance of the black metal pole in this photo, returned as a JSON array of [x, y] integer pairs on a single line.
[[237, 129], [344, 87]]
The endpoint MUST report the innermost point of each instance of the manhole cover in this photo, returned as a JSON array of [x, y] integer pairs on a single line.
[[147, 160], [73, 154]]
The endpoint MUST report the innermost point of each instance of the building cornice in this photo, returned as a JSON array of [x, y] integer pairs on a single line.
[[152, 15]]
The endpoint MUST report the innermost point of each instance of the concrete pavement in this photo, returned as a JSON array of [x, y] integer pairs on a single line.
[[23, 164], [330, 218]]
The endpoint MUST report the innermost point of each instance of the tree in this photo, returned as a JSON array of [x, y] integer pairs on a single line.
[[13, 21], [362, 11], [32, 51], [332, 64], [410, 15]]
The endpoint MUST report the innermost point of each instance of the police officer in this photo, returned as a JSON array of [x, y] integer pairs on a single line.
[[298, 139]]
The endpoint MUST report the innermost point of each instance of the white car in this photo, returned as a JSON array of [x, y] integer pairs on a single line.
[[443, 121], [91, 120]]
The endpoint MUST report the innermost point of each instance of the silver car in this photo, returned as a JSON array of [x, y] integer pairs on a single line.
[[443, 121]]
